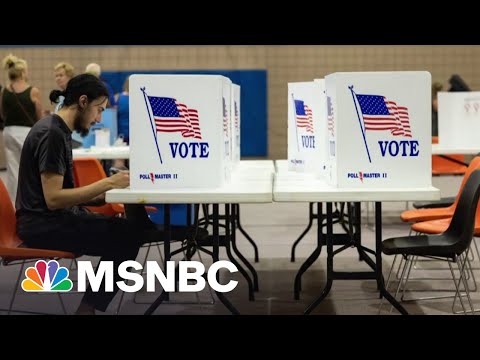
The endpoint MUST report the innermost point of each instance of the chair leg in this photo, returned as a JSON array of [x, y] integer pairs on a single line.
[[461, 269], [397, 274], [16, 288], [457, 287], [408, 263]]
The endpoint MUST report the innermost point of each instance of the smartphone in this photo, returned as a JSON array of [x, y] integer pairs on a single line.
[[113, 170]]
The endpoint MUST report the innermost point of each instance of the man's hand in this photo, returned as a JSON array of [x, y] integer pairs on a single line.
[[120, 180]]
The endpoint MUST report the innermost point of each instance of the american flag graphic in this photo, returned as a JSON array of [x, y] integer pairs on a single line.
[[225, 117], [303, 115], [172, 116], [330, 116], [379, 114], [237, 120]]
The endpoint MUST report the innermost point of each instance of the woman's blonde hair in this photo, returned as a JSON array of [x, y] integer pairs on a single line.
[[69, 69], [15, 66]]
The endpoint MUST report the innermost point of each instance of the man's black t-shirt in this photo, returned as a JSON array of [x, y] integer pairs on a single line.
[[47, 148]]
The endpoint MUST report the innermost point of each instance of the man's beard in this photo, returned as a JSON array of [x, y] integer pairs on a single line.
[[77, 125]]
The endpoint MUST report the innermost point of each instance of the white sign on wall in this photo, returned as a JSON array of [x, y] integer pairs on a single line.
[[304, 119], [177, 137], [459, 119], [380, 129]]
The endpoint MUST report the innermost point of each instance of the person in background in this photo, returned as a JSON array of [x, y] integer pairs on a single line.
[[96, 70], [49, 209], [63, 73], [20, 108], [436, 87]]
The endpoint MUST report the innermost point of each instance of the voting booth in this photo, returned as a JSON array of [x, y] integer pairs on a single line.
[[459, 119], [235, 123], [178, 126], [306, 117], [380, 129]]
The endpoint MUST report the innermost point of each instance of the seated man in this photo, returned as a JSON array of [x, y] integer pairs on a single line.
[[49, 212]]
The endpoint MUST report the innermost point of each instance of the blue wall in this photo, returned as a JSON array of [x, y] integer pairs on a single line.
[[253, 104]]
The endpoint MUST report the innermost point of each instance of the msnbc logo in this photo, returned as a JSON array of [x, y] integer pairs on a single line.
[[47, 277]]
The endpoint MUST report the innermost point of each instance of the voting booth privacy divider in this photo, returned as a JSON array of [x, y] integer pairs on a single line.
[[235, 123], [180, 131], [375, 129], [307, 127], [459, 119]]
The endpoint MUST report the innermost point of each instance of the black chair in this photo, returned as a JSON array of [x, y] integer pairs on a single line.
[[452, 245], [443, 202]]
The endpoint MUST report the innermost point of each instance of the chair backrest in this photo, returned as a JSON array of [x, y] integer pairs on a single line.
[[87, 171], [8, 221], [474, 165], [463, 221]]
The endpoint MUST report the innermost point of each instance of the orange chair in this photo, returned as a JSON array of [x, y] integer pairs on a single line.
[[87, 171], [418, 215], [442, 166], [441, 225], [11, 253]]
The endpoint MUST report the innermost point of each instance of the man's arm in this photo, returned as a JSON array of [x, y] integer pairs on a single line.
[[96, 201], [58, 198]]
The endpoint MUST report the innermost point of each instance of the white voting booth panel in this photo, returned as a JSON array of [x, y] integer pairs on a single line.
[[305, 117], [459, 119], [380, 133], [235, 116], [227, 132], [177, 131]]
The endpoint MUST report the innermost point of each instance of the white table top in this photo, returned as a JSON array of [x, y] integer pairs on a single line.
[[103, 153], [281, 165], [264, 164], [438, 149], [235, 192], [305, 190]]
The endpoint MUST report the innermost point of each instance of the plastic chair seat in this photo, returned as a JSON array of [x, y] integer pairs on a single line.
[[427, 214], [423, 245]]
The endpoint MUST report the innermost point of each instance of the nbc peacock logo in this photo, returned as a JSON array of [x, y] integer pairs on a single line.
[[46, 277]]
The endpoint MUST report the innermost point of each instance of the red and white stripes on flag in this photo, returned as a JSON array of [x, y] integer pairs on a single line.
[[379, 114], [172, 116], [304, 116]]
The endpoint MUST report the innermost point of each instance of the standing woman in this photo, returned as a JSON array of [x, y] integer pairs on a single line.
[[20, 108]]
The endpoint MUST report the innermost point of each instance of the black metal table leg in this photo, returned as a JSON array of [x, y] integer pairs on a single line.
[[329, 239], [237, 252], [302, 235], [247, 236], [216, 246], [251, 288], [297, 286], [166, 246]]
